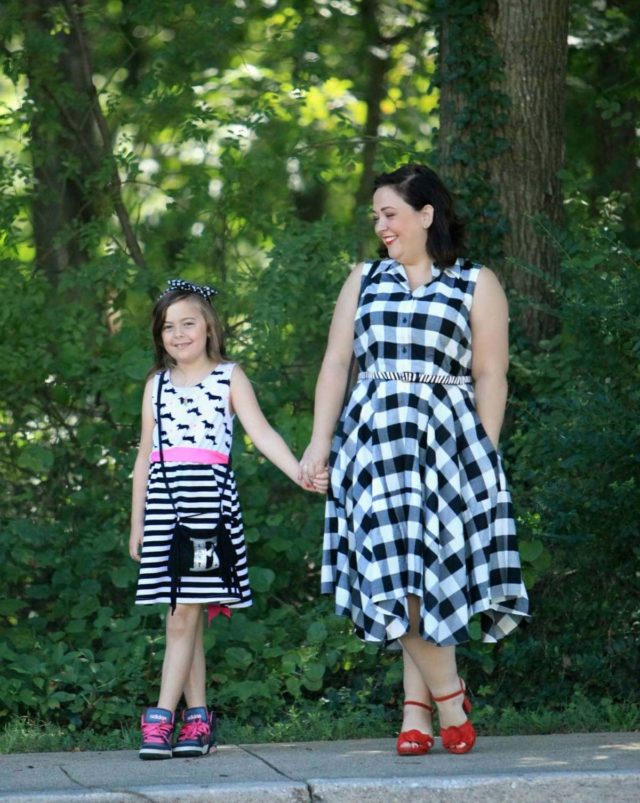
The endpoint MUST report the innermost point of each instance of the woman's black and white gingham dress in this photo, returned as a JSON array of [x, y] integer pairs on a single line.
[[418, 500], [197, 419]]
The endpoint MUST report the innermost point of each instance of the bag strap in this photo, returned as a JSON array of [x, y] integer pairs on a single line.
[[162, 463]]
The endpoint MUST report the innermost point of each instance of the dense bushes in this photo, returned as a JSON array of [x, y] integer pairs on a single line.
[[74, 649], [575, 460]]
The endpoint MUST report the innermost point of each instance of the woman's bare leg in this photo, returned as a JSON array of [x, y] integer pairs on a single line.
[[413, 716], [437, 667]]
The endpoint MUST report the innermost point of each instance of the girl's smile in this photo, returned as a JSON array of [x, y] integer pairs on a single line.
[[184, 332]]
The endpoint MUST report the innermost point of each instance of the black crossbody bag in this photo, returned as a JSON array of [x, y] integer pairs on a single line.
[[197, 551]]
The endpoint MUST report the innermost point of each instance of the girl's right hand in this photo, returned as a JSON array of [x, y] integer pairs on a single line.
[[314, 461], [321, 482], [135, 544]]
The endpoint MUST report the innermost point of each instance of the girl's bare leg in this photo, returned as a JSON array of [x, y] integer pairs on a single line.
[[182, 629], [195, 692]]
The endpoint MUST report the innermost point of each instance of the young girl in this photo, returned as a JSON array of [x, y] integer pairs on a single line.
[[188, 472]]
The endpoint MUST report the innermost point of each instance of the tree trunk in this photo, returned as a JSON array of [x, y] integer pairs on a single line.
[[74, 169], [63, 143], [531, 38], [472, 109], [375, 67], [501, 144], [452, 105]]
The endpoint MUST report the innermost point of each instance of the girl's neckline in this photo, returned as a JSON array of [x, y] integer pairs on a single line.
[[194, 384]]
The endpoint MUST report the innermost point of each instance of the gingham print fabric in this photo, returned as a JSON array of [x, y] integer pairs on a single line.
[[418, 500], [196, 489]]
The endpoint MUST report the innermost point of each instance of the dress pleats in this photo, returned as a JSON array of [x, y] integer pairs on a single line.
[[418, 501]]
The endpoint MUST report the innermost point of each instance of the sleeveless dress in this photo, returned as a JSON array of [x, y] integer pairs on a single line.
[[418, 500], [197, 428]]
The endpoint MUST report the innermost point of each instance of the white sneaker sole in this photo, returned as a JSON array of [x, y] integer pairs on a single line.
[[151, 753], [187, 751]]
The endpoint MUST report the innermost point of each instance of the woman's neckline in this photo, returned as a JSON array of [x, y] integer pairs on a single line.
[[435, 274]]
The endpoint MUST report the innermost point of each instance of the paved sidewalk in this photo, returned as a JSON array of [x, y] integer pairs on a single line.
[[597, 768]]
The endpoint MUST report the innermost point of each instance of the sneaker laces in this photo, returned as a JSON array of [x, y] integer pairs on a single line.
[[194, 729], [156, 731]]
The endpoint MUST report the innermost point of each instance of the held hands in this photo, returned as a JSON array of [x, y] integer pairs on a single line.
[[314, 474], [319, 482]]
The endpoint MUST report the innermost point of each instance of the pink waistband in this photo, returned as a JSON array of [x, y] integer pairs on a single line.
[[187, 454]]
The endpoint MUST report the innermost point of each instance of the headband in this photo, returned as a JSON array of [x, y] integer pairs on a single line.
[[188, 287]]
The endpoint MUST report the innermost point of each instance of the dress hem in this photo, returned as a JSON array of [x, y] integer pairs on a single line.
[[511, 620], [214, 601]]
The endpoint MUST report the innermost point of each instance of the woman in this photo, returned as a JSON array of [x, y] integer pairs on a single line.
[[419, 532]]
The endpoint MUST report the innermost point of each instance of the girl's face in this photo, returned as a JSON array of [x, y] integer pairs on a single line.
[[401, 228], [184, 332]]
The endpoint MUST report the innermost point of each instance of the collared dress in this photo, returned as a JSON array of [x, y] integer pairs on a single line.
[[418, 500], [197, 431]]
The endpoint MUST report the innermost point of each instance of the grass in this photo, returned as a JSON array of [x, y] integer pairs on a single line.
[[579, 716], [317, 724]]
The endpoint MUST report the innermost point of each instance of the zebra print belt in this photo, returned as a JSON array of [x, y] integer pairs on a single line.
[[408, 376]]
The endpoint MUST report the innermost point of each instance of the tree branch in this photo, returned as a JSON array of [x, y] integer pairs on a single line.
[[116, 185]]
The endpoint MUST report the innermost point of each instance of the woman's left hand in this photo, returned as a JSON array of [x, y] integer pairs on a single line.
[[314, 461]]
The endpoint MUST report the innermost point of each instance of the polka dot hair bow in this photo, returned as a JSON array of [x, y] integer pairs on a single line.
[[189, 287]]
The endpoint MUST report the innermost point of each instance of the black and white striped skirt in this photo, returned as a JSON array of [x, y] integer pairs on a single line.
[[196, 491]]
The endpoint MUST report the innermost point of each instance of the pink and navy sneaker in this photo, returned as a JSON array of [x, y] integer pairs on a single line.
[[197, 734], [157, 734]]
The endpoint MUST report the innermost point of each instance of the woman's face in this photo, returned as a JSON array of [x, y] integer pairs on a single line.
[[401, 228]]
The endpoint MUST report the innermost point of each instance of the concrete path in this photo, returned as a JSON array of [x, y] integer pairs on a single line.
[[598, 768]]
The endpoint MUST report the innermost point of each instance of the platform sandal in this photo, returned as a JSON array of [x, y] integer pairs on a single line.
[[421, 742], [458, 738]]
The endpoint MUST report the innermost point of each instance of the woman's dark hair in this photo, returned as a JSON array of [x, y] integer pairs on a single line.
[[418, 185], [215, 332]]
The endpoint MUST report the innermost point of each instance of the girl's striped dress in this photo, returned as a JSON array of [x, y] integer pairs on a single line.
[[418, 501], [197, 429]]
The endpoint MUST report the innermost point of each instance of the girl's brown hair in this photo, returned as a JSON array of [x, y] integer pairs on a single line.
[[216, 349]]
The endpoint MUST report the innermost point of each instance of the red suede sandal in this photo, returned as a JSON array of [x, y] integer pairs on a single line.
[[422, 742], [458, 738]]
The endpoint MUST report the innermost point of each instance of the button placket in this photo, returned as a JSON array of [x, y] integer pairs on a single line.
[[404, 319]]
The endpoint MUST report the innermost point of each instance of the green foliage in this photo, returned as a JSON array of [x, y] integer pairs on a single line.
[[470, 76], [238, 135], [215, 153], [579, 714], [603, 103], [349, 719], [575, 456]]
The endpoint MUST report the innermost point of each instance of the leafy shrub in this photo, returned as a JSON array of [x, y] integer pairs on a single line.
[[575, 455], [76, 652]]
